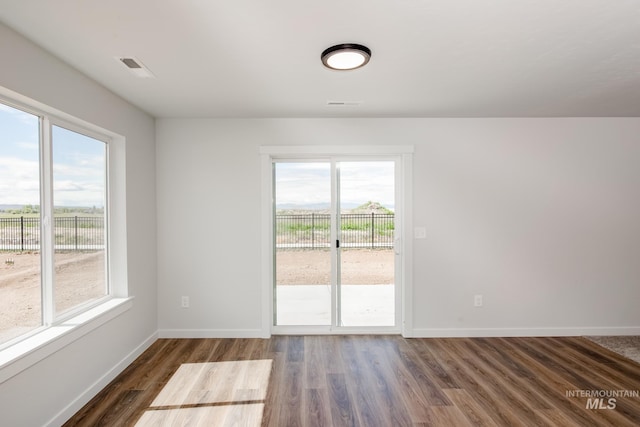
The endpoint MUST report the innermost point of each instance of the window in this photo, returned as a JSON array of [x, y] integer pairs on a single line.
[[53, 221]]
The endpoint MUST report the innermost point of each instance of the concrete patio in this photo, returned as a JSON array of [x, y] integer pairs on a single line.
[[362, 305]]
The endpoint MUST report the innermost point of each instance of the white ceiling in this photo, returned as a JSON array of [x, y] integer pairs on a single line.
[[430, 58]]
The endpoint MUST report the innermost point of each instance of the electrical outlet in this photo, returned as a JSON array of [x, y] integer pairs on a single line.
[[185, 302], [477, 301]]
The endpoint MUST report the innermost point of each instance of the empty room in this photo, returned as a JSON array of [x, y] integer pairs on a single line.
[[337, 213]]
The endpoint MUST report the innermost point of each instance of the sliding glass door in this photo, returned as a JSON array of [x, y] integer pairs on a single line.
[[334, 257]]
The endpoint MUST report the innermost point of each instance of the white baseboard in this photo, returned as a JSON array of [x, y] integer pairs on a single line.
[[423, 333], [210, 333], [101, 383], [522, 332]]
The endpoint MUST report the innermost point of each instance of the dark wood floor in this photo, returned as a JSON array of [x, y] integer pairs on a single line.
[[371, 381]]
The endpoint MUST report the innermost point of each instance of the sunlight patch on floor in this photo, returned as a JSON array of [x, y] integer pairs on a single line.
[[212, 394]]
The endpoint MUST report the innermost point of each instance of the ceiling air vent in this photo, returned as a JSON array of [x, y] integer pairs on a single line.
[[130, 62], [343, 103], [136, 67]]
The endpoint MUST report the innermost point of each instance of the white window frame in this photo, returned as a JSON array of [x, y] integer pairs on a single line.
[[404, 175], [57, 332]]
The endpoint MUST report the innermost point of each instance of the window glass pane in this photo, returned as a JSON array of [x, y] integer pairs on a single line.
[[79, 195], [20, 279], [367, 257], [303, 249]]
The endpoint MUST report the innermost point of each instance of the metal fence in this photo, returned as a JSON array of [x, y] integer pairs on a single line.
[[292, 231], [314, 230], [70, 233]]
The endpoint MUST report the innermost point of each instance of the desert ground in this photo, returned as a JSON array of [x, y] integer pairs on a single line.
[[79, 278], [313, 267]]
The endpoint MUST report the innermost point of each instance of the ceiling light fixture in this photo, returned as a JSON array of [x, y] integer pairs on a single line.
[[346, 56]]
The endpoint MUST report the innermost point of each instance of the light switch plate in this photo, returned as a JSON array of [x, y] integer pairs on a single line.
[[420, 232]]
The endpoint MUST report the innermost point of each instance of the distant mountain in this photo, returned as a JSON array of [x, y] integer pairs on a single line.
[[10, 207], [371, 207], [304, 207], [57, 209], [361, 208]]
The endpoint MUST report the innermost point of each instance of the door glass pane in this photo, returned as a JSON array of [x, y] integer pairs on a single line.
[[20, 279], [79, 196], [367, 258], [302, 243]]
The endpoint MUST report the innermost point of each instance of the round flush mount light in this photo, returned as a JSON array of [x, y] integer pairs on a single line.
[[346, 56]]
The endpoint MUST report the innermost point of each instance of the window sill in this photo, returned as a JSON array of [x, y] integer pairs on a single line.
[[30, 351]]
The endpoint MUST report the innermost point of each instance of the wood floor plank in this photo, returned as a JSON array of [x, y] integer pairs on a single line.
[[593, 377], [390, 396], [291, 396], [509, 378], [555, 417], [494, 383], [409, 390], [318, 412], [433, 367], [606, 356], [276, 384], [472, 410], [295, 349], [362, 385], [598, 379], [485, 389], [367, 381], [446, 416], [547, 382], [578, 379], [619, 373], [315, 370], [433, 394], [342, 411]]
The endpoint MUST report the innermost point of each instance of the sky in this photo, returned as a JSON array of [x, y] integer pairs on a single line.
[[309, 183], [78, 163], [79, 171]]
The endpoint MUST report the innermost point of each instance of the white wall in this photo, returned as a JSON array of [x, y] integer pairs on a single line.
[[52, 389], [538, 215]]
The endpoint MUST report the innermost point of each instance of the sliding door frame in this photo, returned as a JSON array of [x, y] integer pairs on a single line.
[[403, 244]]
